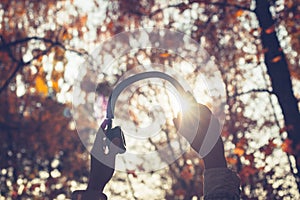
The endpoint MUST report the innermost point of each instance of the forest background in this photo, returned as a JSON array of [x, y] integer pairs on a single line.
[[254, 44]]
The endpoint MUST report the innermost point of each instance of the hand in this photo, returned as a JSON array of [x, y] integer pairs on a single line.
[[208, 124], [102, 169]]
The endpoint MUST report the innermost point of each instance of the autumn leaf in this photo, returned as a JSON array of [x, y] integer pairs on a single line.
[[164, 55], [239, 151], [83, 20], [270, 30], [248, 171], [41, 85], [231, 160], [66, 35], [55, 76], [286, 146], [238, 13], [276, 59], [110, 25], [55, 86]]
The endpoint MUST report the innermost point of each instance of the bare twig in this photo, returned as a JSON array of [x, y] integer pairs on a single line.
[[251, 91], [223, 4], [21, 64], [6, 46]]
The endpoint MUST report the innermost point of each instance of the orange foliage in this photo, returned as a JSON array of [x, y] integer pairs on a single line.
[[246, 173], [239, 13], [286, 146], [41, 85], [83, 20], [276, 59], [164, 55], [37, 124], [239, 151], [270, 30], [231, 160]]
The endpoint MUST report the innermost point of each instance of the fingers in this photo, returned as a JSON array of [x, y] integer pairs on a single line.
[[114, 147], [207, 132]]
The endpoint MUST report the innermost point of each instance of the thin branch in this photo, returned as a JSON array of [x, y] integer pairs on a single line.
[[161, 9], [251, 91], [223, 4], [5, 45], [21, 63]]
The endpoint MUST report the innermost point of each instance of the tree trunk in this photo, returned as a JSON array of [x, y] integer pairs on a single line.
[[278, 71]]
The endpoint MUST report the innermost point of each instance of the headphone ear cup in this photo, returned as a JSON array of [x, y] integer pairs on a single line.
[[114, 133]]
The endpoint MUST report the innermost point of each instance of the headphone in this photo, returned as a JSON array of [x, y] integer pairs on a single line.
[[188, 127], [106, 126], [145, 75]]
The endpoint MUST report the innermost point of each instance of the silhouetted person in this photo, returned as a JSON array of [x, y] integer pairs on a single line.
[[220, 183]]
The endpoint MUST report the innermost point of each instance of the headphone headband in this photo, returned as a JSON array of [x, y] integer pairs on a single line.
[[145, 75]]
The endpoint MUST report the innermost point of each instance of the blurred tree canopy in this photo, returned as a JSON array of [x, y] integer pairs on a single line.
[[254, 44]]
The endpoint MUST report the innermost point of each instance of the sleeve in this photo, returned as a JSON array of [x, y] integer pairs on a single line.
[[221, 184], [88, 195]]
